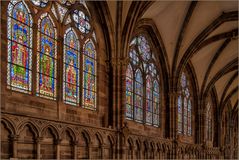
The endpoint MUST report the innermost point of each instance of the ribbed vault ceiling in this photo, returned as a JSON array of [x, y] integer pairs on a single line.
[[214, 24]]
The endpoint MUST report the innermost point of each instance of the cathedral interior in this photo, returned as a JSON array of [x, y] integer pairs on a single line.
[[119, 79]]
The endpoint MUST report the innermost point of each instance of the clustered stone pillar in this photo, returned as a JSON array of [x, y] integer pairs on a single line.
[[38, 142], [58, 148], [14, 139], [75, 143]]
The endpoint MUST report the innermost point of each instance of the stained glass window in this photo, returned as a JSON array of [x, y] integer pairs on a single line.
[[19, 73], [209, 121], [129, 92], [82, 21], [149, 104], [46, 57], [40, 3], [184, 107], [180, 120], [156, 103], [138, 96], [89, 75], [144, 95], [71, 67]]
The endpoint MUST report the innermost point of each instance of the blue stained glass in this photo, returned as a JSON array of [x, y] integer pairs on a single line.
[[20, 33], [47, 27], [19, 47], [47, 46], [71, 58], [20, 13], [90, 49], [138, 76], [89, 65]]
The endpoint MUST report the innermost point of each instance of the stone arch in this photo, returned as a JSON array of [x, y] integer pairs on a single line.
[[7, 131], [96, 147], [86, 135], [109, 147], [99, 137], [50, 138], [138, 149], [84, 140], [146, 149], [9, 125], [129, 148], [53, 129], [32, 126], [70, 131], [151, 150], [28, 134], [67, 140]]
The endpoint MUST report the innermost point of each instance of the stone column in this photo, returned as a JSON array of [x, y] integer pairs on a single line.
[[89, 150], [38, 143], [75, 143], [58, 148], [14, 139], [102, 151]]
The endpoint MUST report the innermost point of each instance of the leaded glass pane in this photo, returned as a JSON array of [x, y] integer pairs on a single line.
[[19, 74], [46, 58], [89, 75], [71, 68], [180, 114], [81, 21]]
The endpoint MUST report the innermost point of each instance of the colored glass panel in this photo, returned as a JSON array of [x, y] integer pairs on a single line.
[[81, 21], [180, 114], [144, 48], [40, 3], [89, 75], [71, 68], [46, 58], [19, 74]]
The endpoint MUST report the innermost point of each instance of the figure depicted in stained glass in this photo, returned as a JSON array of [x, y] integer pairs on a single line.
[[71, 69], [142, 62], [19, 41], [184, 107], [89, 76], [46, 61], [47, 66]]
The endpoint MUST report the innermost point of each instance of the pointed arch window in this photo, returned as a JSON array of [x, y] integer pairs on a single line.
[[46, 57], [71, 67], [184, 107], [19, 70], [129, 92], [209, 121], [79, 51], [142, 89], [89, 75], [138, 96]]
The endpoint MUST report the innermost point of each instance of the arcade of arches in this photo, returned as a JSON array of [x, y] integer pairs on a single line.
[[119, 79]]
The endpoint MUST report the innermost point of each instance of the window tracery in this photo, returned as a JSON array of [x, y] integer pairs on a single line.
[[19, 72], [184, 107], [79, 51], [142, 84]]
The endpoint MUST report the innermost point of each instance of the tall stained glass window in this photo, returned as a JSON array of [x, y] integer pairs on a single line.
[[19, 72], [142, 84], [129, 92], [46, 57], [184, 107], [71, 67], [89, 75], [209, 121]]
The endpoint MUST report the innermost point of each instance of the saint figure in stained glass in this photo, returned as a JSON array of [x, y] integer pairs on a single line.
[[89, 75], [71, 69], [19, 47], [46, 58]]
